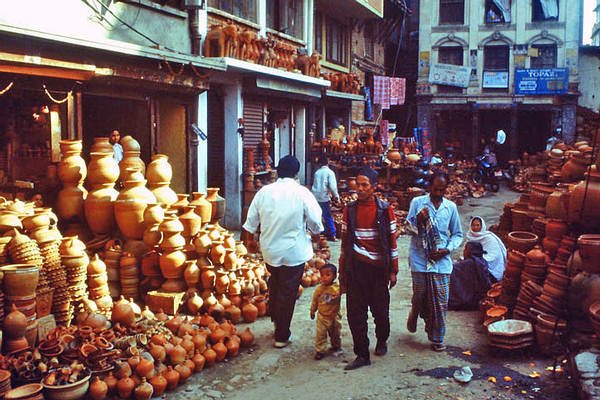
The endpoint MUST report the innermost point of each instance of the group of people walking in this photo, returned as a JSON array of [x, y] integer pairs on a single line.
[[280, 215]]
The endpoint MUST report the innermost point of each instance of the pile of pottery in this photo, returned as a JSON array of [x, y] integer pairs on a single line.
[[97, 282], [72, 172], [103, 172], [4, 382], [111, 257], [131, 204], [159, 174], [535, 266], [528, 292], [131, 158], [14, 330], [311, 275], [75, 260], [129, 276], [510, 334]]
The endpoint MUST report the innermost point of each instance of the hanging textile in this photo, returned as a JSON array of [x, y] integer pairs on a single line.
[[384, 131], [397, 91], [368, 109], [504, 7], [549, 8], [381, 91]]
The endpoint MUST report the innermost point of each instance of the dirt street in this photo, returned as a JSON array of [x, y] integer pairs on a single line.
[[410, 370]]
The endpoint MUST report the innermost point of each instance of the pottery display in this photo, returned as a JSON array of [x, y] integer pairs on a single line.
[[583, 201], [218, 204], [203, 207], [130, 206]]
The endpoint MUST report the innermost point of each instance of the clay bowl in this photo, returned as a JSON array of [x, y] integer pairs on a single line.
[[594, 309], [589, 246], [493, 294], [72, 391], [30, 392], [522, 241], [496, 312]]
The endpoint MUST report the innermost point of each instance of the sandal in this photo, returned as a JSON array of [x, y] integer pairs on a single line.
[[438, 347]]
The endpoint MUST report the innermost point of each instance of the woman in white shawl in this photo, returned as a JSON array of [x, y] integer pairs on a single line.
[[495, 251]]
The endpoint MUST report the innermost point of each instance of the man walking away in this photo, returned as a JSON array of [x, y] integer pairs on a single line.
[[325, 183]]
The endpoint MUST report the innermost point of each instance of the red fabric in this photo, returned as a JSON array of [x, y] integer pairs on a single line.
[[384, 126], [397, 91], [381, 91]]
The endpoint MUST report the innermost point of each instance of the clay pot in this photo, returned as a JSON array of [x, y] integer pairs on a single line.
[[203, 207], [182, 201], [131, 162], [536, 256], [191, 222], [111, 382], [233, 346], [101, 145], [163, 193], [159, 169], [221, 282], [69, 203], [259, 302], [218, 204], [220, 349], [20, 280], [556, 229], [98, 389], [184, 372], [583, 207], [125, 387], [202, 243], [521, 241], [230, 261], [15, 324], [177, 354], [247, 337], [172, 264], [172, 378], [210, 357], [154, 214], [198, 361], [144, 368], [159, 384], [130, 206], [233, 313], [217, 252], [249, 312], [158, 352], [102, 169], [123, 312], [143, 391]]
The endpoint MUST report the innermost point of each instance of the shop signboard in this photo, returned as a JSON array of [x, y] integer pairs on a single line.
[[495, 79], [541, 81], [448, 74]]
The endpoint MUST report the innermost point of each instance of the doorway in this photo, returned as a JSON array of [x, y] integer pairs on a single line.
[[216, 141], [490, 122], [535, 127]]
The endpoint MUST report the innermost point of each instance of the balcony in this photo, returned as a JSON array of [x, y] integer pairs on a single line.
[[360, 9]]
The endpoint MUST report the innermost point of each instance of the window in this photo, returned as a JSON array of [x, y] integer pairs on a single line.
[[497, 11], [450, 55], [286, 16], [370, 40], [546, 57], [336, 37], [495, 58], [452, 12], [495, 67], [245, 9], [318, 31], [544, 10]]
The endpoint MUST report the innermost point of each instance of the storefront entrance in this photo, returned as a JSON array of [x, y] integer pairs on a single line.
[[535, 127]]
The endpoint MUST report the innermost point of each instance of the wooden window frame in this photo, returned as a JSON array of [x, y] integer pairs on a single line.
[[544, 65], [537, 15], [447, 16], [278, 21], [444, 51], [325, 45], [229, 6]]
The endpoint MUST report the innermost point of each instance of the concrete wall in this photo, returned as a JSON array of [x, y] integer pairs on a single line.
[[75, 19], [589, 81], [474, 34]]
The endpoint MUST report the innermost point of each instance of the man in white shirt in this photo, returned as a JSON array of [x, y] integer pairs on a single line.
[[283, 210], [325, 183]]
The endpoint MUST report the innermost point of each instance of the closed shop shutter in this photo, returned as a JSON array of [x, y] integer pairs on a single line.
[[253, 125]]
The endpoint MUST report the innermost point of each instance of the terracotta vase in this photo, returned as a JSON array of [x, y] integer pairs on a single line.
[[217, 252], [69, 202], [218, 204], [103, 168], [125, 387], [191, 221], [208, 277], [259, 302], [194, 304], [210, 356], [15, 324], [99, 208], [199, 361], [159, 384], [131, 162], [233, 346], [233, 313], [163, 193], [203, 206], [98, 389], [143, 391], [159, 169], [584, 200], [184, 372], [172, 378], [182, 201], [130, 206], [221, 282], [230, 261], [202, 243], [154, 214], [249, 312], [172, 264], [247, 337], [220, 349], [101, 145]]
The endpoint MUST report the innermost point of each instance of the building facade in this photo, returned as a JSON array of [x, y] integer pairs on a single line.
[[487, 65]]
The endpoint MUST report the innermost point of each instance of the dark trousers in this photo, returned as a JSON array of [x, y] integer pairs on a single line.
[[367, 288], [328, 219], [283, 290]]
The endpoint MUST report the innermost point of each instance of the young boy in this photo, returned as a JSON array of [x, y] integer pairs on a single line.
[[326, 300]]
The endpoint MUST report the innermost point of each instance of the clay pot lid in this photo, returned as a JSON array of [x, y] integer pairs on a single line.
[[510, 327], [497, 311]]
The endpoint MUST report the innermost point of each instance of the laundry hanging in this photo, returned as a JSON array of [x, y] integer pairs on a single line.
[[388, 91], [549, 8], [384, 131], [504, 7]]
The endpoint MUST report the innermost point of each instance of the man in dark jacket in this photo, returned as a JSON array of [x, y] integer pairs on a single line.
[[368, 266]]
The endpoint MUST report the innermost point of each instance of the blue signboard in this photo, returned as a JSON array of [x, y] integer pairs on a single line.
[[541, 81]]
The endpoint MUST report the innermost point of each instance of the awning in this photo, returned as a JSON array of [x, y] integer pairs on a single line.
[[244, 66], [344, 95], [120, 47]]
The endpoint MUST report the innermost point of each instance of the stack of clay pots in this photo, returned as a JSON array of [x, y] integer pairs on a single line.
[[527, 293], [511, 281], [131, 204], [218, 205], [129, 276], [71, 173], [131, 158], [192, 223], [203, 207], [103, 172], [112, 256], [159, 174], [20, 281], [535, 266], [97, 281], [172, 258], [150, 269], [4, 257], [75, 260], [153, 216]]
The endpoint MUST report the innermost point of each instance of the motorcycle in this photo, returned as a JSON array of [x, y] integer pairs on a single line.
[[487, 175], [510, 173]]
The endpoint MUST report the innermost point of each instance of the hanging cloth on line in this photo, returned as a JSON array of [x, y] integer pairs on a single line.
[[504, 7], [388, 91]]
